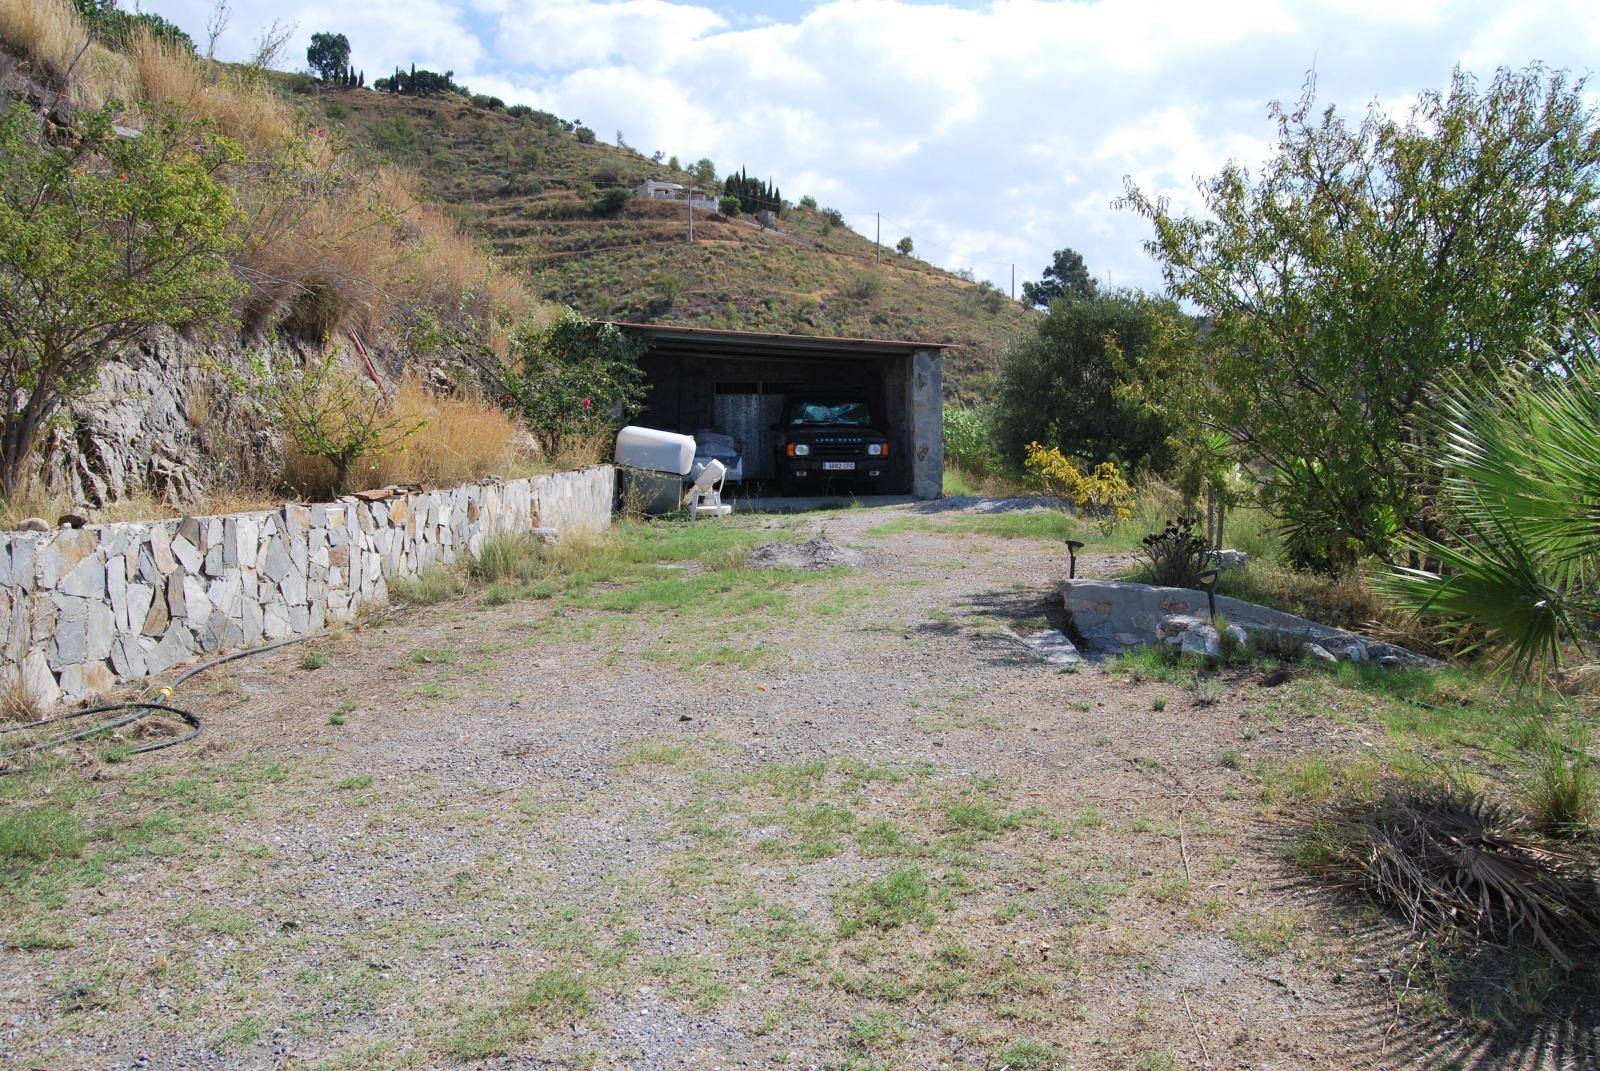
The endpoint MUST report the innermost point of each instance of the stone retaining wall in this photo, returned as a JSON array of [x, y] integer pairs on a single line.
[[84, 609]]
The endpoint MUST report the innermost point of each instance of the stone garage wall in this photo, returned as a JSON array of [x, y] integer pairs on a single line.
[[84, 609]]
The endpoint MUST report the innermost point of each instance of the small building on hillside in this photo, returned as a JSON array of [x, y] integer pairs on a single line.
[[735, 382], [653, 189]]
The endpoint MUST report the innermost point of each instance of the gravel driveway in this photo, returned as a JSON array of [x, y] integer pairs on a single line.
[[838, 820]]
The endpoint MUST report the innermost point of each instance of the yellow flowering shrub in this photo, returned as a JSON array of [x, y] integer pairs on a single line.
[[1102, 493]]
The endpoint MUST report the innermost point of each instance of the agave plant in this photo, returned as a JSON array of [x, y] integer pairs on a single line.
[[1520, 497]]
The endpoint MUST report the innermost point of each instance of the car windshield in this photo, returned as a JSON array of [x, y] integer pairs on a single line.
[[850, 414]]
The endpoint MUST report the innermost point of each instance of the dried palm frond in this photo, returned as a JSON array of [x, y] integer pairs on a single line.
[[1452, 862]]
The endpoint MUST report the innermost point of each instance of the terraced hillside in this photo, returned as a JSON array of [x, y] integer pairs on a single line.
[[531, 186]]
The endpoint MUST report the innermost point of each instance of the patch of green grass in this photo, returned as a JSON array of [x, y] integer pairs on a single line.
[[884, 838], [40, 833], [246, 1031], [427, 656], [33, 936], [691, 981], [431, 586], [313, 660], [692, 655], [507, 558], [658, 753], [1269, 935], [355, 783], [978, 816], [903, 897], [877, 1030], [558, 997], [1027, 1053]]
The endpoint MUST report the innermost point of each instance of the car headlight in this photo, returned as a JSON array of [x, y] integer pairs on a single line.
[[876, 449], [799, 450]]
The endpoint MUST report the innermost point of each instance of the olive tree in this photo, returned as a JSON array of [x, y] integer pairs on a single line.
[[1362, 262], [100, 241]]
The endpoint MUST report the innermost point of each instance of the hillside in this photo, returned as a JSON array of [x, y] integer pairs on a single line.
[[529, 184]]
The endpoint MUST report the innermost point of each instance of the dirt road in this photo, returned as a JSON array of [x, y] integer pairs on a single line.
[[705, 816]]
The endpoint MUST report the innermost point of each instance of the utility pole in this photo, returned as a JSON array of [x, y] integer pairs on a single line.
[[1013, 282], [878, 238], [689, 200]]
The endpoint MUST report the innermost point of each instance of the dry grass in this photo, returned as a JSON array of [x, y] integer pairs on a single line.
[[171, 76], [50, 33], [462, 439], [360, 251], [18, 701]]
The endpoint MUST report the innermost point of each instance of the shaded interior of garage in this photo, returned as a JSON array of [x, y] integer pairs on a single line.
[[736, 383]]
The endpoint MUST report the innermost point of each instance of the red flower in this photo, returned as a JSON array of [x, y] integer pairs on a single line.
[[588, 403], [122, 176]]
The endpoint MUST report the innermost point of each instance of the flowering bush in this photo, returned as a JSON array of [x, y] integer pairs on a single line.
[[572, 379], [1102, 493]]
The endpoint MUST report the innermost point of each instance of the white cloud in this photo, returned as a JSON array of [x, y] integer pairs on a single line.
[[1000, 132]]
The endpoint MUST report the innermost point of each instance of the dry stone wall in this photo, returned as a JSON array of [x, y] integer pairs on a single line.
[[84, 609]]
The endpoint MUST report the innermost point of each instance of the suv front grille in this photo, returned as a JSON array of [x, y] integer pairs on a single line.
[[838, 449]]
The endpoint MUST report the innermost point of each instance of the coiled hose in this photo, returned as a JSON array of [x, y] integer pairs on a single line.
[[134, 711]]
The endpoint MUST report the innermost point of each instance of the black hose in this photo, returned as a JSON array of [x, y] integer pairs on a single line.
[[138, 710]]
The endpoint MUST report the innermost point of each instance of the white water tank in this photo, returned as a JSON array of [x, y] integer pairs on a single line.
[[658, 451]]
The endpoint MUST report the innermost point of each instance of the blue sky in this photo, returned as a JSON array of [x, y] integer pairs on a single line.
[[992, 133]]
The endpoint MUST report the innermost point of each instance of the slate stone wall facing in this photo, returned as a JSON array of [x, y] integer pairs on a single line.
[[84, 609]]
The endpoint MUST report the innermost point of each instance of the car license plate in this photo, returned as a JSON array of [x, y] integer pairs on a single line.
[[838, 466]]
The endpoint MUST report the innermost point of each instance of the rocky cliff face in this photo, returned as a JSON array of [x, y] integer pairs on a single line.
[[171, 418]]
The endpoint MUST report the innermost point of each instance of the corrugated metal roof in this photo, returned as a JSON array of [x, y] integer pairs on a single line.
[[716, 338]]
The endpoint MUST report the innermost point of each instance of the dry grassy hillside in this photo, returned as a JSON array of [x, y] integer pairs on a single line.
[[530, 184]]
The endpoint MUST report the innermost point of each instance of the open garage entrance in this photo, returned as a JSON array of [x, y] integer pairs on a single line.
[[737, 383]]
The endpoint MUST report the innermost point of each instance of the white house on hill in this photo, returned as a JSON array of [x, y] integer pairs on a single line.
[[661, 190]]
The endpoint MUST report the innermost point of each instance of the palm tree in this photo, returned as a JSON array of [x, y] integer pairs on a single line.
[[1519, 564]]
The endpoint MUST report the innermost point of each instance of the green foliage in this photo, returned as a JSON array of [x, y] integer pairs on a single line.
[[753, 194], [1360, 264], [1560, 781], [1177, 554], [808, 202], [115, 27], [969, 441], [570, 379], [100, 242], [1061, 385], [904, 246], [729, 205], [333, 413], [902, 897], [329, 56], [1519, 465], [421, 83], [1066, 277], [610, 201]]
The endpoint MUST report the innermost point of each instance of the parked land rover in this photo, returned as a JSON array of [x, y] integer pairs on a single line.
[[825, 441]]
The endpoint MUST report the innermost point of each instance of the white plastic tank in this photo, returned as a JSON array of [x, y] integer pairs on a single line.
[[658, 451]]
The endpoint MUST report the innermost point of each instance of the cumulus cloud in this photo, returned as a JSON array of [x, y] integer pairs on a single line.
[[993, 133]]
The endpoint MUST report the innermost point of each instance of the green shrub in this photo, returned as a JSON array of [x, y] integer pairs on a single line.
[[1561, 784], [729, 206], [610, 201], [969, 441]]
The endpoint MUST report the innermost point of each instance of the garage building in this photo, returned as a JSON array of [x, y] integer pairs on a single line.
[[735, 382]]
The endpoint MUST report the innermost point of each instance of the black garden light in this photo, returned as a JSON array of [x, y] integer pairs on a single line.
[[1073, 546], [1208, 584]]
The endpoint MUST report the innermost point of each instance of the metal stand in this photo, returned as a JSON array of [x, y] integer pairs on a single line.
[[1073, 546]]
